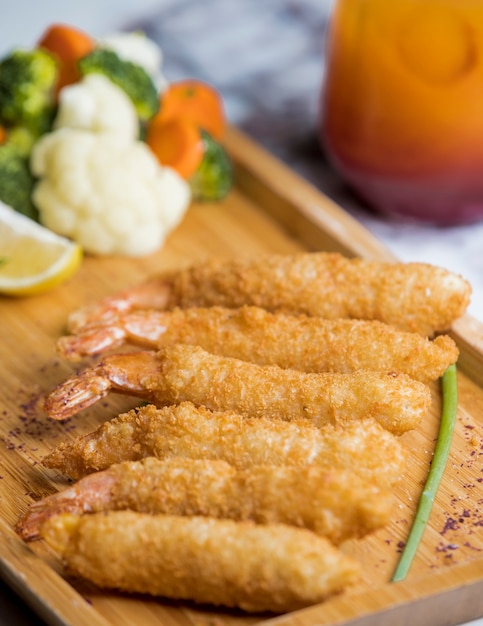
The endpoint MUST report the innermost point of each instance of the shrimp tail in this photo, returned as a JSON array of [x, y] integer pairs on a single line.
[[76, 394], [91, 342], [29, 524], [90, 494], [140, 328], [132, 374], [153, 294]]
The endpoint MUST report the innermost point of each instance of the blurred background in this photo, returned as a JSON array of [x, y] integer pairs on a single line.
[[267, 59]]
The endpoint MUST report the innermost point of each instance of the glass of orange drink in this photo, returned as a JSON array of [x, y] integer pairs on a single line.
[[401, 112]]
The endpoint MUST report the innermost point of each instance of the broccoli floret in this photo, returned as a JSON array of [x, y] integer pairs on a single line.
[[27, 80], [16, 180], [214, 178], [130, 77], [21, 140]]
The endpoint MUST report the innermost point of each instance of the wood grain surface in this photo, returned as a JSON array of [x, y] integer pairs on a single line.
[[270, 209]]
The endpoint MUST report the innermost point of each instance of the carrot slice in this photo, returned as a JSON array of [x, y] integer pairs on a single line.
[[3, 135], [196, 102], [68, 45], [178, 144]]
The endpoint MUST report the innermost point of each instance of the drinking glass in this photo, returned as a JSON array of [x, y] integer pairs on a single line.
[[401, 111]]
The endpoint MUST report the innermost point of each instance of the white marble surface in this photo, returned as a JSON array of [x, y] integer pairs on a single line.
[[266, 58]]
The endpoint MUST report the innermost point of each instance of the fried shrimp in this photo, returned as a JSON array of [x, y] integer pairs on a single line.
[[411, 296], [188, 373], [309, 344], [271, 567], [198, 433], [335, 504]]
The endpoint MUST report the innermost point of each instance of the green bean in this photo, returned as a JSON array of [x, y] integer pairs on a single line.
[[441, 452]]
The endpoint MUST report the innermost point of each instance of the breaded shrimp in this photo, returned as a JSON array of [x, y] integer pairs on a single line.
[[257, 568], [198, 433], [336, 504], [188, 373], [411, 296], [309, 344]]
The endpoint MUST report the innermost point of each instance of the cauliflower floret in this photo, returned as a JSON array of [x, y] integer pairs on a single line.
[[109, 195], [95, 103], [139, 49]]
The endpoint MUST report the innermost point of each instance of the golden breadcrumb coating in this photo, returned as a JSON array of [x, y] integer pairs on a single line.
[[198, 433], [188, 373], [416, 297], [336, 504], [309, 344], [257, 568]]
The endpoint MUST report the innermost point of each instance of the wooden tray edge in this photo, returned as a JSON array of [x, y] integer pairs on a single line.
[[457, 593], [40, 586], [296, 204]]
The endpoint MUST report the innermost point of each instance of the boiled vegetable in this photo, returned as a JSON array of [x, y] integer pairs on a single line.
[[27, 80], [196, 102], [214, 177], [177, 143], [130, 77], [441, 453], [16, 179], [68, 45]]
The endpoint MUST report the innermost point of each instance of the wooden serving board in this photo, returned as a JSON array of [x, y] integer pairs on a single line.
[[271, 209]]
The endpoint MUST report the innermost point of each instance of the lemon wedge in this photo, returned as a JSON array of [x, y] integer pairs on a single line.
[[33, 259]]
